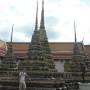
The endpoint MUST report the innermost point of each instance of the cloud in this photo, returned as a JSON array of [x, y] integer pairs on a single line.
[[4, 35], [85, 2], [52, 35], [51, 21], [54, 1], [59, 19]]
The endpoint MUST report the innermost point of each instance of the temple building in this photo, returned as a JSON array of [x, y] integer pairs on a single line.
[[61, 52], [38, 63], [47, 65], [54, 59]]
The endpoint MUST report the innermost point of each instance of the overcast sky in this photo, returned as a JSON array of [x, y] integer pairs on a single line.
[[59, 19]]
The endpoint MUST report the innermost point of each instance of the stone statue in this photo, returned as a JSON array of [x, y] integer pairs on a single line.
[[22, 84]]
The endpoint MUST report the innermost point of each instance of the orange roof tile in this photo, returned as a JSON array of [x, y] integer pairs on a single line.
[[62, 49]]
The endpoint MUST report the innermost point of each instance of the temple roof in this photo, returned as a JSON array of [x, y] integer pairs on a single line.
[[57, 48]]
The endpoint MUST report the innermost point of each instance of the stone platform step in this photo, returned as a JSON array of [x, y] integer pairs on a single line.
[[8, 88], [28, 88]]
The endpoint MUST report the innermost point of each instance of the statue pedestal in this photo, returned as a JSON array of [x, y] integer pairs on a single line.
[[84, 86]]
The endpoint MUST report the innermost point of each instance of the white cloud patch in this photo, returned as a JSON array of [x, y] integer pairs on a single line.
[[64, 12]]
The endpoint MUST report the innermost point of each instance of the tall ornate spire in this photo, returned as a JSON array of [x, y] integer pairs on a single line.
[[36, 23], [33, 47], [10, 45], [75, 32], [39, 51], [77, 57], [12, 33], [10, 59], [42, 26], [76, 48]]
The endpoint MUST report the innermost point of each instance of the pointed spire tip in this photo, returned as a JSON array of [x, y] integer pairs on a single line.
[[12, 32], [42, 16], [36, 23], [75, 32]]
